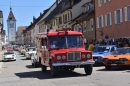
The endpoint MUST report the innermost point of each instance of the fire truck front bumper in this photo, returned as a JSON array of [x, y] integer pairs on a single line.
[[75, 63]]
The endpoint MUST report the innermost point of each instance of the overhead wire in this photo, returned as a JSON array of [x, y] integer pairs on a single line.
[[24, 6]]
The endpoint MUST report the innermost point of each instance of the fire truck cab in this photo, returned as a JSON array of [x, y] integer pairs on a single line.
[[63, 50]]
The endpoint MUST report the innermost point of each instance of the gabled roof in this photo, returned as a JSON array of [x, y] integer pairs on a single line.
[[11, 16], [56, 11]]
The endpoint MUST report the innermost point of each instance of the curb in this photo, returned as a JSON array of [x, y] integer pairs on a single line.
[[1, 64]]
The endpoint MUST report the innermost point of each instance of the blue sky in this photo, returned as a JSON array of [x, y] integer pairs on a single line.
[[23, 10]]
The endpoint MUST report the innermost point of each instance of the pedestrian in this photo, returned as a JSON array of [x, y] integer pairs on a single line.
[[91, 46]]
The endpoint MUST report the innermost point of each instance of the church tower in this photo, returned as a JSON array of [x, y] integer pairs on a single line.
[[11, 24]]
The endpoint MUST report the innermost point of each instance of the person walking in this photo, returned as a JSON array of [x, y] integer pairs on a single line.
[[91, 46]]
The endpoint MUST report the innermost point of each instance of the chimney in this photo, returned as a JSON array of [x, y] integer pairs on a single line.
[[34, 18], [56, 2], [40, 14]]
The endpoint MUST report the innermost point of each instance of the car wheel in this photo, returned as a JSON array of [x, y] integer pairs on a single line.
[[107, 67], [44, 68], [88, 69]]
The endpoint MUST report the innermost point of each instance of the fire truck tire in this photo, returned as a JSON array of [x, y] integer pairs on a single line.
[[44, 68], [88, 69]]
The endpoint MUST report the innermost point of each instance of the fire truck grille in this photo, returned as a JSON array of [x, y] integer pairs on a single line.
[[73, 56]]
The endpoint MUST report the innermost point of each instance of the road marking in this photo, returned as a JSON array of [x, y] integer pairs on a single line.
[[1, 64], [20, 61]]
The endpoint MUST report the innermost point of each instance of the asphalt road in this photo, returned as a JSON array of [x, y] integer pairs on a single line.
[[21, 73]]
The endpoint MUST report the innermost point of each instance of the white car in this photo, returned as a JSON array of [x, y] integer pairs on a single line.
[[9, 55], [29, 52], [34, 61]]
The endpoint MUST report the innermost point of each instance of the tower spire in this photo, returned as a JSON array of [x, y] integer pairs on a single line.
[[10, 7]]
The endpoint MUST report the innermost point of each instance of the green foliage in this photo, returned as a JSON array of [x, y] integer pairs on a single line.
[[12, 43]]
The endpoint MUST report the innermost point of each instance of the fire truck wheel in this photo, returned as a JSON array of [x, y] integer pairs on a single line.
[[44, 68], [53, 71], [88, 69]]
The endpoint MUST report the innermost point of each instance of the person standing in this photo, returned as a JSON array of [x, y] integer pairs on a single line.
[[91, 46]]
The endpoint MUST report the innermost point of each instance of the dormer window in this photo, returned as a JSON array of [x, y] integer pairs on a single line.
[[86, 9]]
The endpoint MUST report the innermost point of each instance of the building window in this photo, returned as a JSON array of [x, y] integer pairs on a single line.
[[118, 16], [100, 22], [56, 22], [108, 19], [106, 1], [99, 2], [84, 28], [11, 25], [91, 24], [127, 13], [60, 20]]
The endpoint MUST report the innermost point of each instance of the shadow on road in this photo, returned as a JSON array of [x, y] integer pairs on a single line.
[[30, 66], [114, 69], [23, 59], [47, 75]]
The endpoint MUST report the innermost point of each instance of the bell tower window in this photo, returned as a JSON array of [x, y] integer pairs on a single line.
[[11, 25]]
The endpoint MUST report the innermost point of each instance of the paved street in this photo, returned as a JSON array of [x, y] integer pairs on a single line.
[[21, 73]]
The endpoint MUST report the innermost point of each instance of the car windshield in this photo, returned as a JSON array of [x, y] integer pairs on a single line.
[[122, 51], [31, 49], [8, 53], [65, 41], [101, 49]]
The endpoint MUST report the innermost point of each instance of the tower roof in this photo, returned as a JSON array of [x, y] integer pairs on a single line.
[[11, 15], [1, 14]]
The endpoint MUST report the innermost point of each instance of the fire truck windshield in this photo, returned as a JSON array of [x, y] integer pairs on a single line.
[[65, 42]]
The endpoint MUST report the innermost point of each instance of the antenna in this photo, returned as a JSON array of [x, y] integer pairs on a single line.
[[10, 7]]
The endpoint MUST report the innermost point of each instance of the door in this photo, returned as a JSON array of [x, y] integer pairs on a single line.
[[45, 52]]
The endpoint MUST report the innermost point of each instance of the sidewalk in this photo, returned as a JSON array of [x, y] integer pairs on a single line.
[[1, 63]]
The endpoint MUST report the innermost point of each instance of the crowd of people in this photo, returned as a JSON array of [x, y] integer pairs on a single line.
[[122, 42]]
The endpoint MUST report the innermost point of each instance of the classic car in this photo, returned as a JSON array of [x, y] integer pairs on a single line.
[[9, 48], [9, 55], [101, 51], [120, 57], [34, 61], [29, 52]]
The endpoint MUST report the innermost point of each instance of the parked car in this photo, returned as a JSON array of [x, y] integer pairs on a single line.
[[16, 48], [29, 52], [34, 61], [9, 55], [9, 48], [101, 51], [120, 57]]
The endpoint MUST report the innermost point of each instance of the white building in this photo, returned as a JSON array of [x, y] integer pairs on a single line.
[[11, 24]]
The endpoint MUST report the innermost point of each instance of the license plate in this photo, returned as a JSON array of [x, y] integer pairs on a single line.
[[113, 64]]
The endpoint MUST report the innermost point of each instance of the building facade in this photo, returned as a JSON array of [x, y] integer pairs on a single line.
[[1, 28], [112, 19], [19, 34], [11, 24]]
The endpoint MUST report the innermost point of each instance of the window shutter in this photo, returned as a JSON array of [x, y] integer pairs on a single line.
[[97, 22], [106, 19], [115, 17], [102, 22], [110, 19], [104, 1], [121, 15], [125, 12]]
